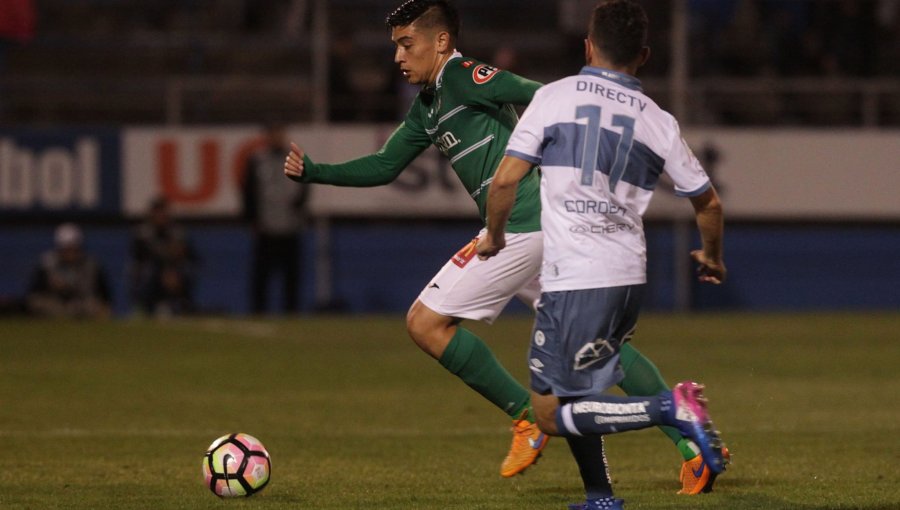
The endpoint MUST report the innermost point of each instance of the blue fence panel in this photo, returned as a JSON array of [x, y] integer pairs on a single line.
[[382, 267]]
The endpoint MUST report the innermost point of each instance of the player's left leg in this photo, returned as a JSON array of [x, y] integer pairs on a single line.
[[596, 415], [684, 408], [466, 355], [469, 288]]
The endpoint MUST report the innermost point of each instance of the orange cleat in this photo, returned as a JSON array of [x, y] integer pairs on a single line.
[[527, 444], [696, 477]]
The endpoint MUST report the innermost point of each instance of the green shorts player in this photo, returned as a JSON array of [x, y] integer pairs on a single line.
[[465, 109]]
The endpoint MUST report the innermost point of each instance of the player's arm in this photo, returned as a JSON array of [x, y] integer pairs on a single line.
[[523, 152], [488, 86], [710, 221], [501, 198], [513, 89], [692, 181], [404, 144]]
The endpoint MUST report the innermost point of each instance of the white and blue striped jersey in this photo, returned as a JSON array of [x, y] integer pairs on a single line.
[[602, 146]]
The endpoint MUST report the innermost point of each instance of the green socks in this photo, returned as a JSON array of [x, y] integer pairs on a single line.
[[469, 358], [643, 378]]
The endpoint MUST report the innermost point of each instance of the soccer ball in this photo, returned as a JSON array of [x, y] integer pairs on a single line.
[[236, 465]]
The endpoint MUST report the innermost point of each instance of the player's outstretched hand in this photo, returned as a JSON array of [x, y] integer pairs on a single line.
[[293, 163], [709, 271], [487, 246]]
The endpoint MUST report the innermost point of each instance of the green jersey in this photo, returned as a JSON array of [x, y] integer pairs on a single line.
[[468, 115]]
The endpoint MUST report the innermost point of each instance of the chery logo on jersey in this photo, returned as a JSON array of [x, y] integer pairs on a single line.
[[483, 73]]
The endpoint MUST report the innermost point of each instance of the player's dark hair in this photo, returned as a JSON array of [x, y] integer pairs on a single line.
[[427, 14], [619, 30]]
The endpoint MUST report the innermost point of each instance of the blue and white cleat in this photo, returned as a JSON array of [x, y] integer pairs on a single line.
[[688, 413], [600, 504]]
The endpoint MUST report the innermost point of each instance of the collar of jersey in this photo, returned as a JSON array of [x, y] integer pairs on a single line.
[[623, 79], [440, 76]]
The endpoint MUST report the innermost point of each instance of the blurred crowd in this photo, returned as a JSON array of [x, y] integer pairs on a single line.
[[67, 281], [728, 38], [795, 38]]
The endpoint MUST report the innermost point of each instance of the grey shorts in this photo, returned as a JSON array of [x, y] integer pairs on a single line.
[[576, 339]]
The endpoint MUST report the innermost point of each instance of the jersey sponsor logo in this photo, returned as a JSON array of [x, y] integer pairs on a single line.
[[467, 63], [483, 73], [611, 94], [593, 207], [446, 141], [607, 228], [466, 254]]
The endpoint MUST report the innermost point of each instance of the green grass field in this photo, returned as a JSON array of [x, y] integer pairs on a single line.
[[118, 415]]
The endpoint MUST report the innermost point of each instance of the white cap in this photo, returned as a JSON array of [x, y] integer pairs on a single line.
[[67, 235]]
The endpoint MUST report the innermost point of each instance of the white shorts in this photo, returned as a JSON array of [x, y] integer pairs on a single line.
[[470, 288]]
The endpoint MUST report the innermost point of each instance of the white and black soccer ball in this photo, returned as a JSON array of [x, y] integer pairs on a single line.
[[236, 465]]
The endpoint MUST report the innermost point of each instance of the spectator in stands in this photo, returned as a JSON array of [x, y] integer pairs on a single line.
[[277, 214], [163, 264], [67, 282]]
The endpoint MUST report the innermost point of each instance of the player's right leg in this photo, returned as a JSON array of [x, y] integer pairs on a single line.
[[469, 288], [468, 357], [642, 377], [684, 407], [590, 326]]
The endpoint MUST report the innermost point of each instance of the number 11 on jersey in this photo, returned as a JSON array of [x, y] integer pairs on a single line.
[[591, 149]]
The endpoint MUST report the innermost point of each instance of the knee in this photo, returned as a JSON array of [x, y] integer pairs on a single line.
[[426, 329], [416, 325]]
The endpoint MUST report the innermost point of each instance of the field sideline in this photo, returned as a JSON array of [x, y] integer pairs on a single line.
[[118, 415]]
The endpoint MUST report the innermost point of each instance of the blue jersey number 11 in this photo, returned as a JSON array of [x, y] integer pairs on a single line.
[[592, 145]]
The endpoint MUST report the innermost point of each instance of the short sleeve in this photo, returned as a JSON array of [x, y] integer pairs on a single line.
[[486, 85], [684, 168]]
